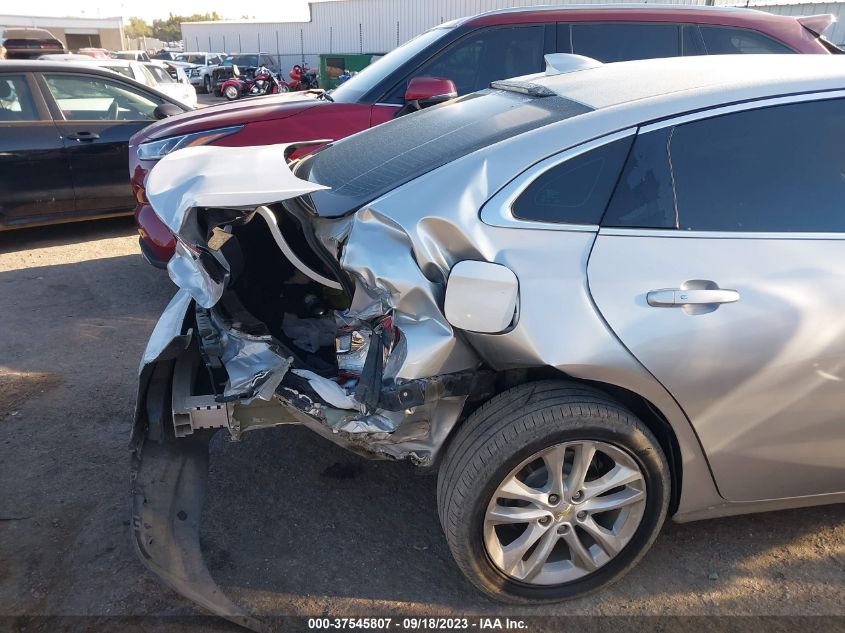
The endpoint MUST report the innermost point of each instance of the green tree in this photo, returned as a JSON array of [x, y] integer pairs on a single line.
[[137, 27], [170, 30]]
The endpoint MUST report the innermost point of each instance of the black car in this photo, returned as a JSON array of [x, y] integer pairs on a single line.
[[29, 43], [64, 134]]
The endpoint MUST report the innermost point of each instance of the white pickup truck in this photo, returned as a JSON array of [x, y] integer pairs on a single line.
[[199, 67]]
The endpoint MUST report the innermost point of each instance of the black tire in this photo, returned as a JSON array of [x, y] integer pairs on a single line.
[[206, 85], [507, 430]]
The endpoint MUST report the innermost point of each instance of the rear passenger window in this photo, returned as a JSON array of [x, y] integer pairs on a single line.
[[644, 197], [691, 41], [776, 169], [16, 102], [576, 191], [723, 40], [617, 42]]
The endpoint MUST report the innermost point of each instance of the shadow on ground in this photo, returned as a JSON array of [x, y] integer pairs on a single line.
[[295, 524], [65, 234]]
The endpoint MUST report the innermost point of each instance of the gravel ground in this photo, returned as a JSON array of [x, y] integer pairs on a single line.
[[293, 524]]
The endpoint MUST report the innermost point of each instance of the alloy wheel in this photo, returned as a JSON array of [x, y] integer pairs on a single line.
[[564, 512]]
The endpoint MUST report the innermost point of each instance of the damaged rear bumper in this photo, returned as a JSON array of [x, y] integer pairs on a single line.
[[408, 419]]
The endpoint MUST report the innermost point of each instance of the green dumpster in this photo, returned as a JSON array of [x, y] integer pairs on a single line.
[[333, 65]]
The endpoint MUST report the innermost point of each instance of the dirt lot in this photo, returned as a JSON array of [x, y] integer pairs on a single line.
[[293, 525]]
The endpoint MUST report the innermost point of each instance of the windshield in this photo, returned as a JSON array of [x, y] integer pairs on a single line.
[[363, 167], [129, 55], [241, 60], [191, 59], [352, 90]]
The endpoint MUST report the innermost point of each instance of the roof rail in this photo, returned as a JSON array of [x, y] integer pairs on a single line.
[[561, 63]]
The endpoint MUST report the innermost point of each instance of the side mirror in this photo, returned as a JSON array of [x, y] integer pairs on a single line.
[[165, 110], [430, 90]]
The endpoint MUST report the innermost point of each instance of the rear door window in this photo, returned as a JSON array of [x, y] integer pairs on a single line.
[[725, 40], [623, 41], [774, 169], [16, 102], [575, 191]]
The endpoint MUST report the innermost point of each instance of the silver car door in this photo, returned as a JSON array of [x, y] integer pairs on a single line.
[[721, 266]]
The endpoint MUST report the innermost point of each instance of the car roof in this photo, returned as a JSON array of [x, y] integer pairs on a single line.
[[44, 65], [114, 62], [25, 32], [690, 78], [92, 67], [641, 11]]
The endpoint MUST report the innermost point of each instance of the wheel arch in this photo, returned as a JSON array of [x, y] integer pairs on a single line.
[[657, 421]]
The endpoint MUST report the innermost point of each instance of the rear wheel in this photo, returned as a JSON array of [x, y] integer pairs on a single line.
[[231, 93], [549, 491]]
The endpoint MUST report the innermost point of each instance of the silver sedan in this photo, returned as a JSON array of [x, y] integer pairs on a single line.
[[591, 298]]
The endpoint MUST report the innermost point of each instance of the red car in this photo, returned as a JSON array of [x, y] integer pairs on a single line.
[[464, 56]]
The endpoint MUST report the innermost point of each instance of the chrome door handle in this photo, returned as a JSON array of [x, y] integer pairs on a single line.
[[679, 297]]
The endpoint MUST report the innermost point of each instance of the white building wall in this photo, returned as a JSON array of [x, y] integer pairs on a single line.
[[346, 26]]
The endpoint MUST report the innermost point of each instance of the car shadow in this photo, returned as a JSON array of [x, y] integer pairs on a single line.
[[294, 524], [23, 239]]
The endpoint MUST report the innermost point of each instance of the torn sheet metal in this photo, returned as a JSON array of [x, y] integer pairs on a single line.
[[187, 272], [380, 256], [223, 177], [255, 364], [168, 328], [328, 390]]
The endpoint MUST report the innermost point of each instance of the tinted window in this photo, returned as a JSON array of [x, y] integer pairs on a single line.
[[483, 57], [88, 98], [576, 191], [691, 41], [723, 40], [775, 169], [16, 102], [610, 42], [644, 196], [779, 169]]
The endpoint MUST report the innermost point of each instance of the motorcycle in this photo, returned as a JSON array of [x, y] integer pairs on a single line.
[[303, 78], [263, 82]]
